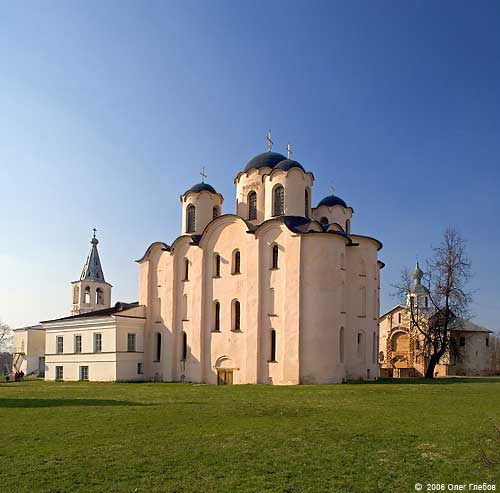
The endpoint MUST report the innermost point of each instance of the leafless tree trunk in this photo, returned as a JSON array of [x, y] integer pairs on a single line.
[[5, 337], [448, 271]]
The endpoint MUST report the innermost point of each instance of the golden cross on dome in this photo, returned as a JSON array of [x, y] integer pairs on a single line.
[[289, 150], [203, 174], [269, 141]]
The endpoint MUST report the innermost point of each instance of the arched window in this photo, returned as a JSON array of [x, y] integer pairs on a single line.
[[361, 345], [236, 315], [252, 205], [184, 352], [76, 294], [306, 203], [272, 356], [275, 256], [87, 297], [279, 201], [158, 346], [236, 262], [216, 316], [348, 226], [362, 292], [399, 318], [215, 212], [186, 269], [426, 302], [216, 265], [341, 344], [191, 219], [99, 296], [323, 221]]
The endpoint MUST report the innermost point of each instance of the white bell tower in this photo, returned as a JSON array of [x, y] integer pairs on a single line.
[[91, 292]]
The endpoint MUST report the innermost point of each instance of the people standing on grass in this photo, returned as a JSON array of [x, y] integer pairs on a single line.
[[16, 376], [21, 376]]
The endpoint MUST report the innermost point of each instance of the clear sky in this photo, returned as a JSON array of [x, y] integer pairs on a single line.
[[109, 109]]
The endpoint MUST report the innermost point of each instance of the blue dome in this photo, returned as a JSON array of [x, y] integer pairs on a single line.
[[270, 159], [332, 200], [289, 163], [199, 187]]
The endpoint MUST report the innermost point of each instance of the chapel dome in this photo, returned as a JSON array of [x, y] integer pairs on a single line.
[[332, 200], [269, 159], [287, 164], [200, 187]]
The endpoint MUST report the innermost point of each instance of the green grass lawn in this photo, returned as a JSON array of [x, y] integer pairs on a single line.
[[182, 437]]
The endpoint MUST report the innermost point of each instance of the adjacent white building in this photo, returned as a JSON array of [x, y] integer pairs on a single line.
[[99, 341], [29, 350]]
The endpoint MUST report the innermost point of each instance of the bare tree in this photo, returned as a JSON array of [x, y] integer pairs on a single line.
[[6, 336], [448, 271]]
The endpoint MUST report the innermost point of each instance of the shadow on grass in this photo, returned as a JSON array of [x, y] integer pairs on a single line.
[[34, 403], [434, 381]]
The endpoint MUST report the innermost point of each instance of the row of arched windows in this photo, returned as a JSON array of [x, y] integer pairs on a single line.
[[278, 206], [191, 217], [235, 316], [184, 348], [236, 263], [87, 296]]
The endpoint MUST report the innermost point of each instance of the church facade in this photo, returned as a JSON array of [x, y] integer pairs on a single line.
[[280, 292], [402, 350]]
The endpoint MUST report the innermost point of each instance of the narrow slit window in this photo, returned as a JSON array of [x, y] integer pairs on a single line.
[[273, 346], [191, 219], [216, 265], [279, 201], [275, 257], [236, 315], [236, 262], [252, 205], [217, 316]]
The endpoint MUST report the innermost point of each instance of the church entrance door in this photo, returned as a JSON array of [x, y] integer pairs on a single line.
[[224, 377]]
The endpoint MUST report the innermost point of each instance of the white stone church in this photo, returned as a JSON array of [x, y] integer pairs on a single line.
[[279, 293]]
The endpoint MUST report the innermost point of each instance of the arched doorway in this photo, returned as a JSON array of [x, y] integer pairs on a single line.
[[225, 368]]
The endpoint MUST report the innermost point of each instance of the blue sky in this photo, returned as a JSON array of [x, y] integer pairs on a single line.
[[108, 110]]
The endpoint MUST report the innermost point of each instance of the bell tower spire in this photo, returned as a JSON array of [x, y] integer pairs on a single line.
[[92, 269], [91, 292]]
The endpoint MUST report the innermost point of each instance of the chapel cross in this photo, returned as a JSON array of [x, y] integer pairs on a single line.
[[333, 189], [269, 141], [94, 230], [203, 174], [289, 150]]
